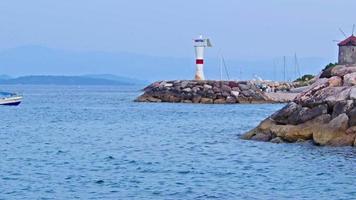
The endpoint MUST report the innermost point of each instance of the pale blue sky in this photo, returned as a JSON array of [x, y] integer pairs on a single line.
[[242, 29]]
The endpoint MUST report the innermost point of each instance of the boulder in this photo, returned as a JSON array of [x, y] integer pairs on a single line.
[[184, 84], [335, 81], [329, 95], [342, 107], [187, 101], [226, 88], [187, 90], [168, 85], [353, 93], [206, 100], [293, 133], [282, 115], [236, 89], [350, 79], [217, 89], [263, 127], [244, 86], [173, 99], [207, 87], [312, 90], [153, 99], [277, 140], [331, 133], [219, 101], [342, 70], [233, 84], [196, 99], [352, 117], [262, 137], [306, 114], [230, 100], [235, 94]]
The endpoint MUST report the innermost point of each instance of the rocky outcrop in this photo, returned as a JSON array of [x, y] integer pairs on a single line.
[[206, 92], [325, 113]]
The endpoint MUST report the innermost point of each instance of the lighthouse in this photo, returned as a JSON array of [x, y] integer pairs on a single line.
[[200, 44]]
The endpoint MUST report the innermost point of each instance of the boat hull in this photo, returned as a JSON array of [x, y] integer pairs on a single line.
[[10, 101]]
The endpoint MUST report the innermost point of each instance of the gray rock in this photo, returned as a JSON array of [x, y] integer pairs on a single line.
[[187, 90], [352, 117], [342, 107], [230, 100], [350, 79], [219, 101], [195, 89], [244, 86], [226, 88], [216, 89], [306, 114], [264, 137], [342, 70], [206, 100], [282, 115], [353, 93], [235, 94], [206, 86], [236, 89], [233, 84], [152, 99], [277, 140], [196, 98], [184, 84], [225, 94]]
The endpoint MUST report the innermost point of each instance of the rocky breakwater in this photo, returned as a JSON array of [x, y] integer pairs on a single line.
[[324, 114], [208, 92]]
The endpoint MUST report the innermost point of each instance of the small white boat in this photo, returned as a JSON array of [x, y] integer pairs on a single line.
[[9, 99]]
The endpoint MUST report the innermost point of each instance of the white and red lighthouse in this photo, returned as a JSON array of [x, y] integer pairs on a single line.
[[200, 44]]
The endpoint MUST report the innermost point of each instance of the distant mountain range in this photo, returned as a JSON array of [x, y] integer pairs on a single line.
[[27, 60], [105, 79]]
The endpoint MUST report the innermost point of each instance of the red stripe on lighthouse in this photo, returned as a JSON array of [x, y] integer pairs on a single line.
[[199, 61]]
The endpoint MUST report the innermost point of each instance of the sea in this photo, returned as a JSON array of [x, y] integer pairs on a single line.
[[95, 142]]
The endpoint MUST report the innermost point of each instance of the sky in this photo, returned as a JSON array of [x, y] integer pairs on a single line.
[[241, 30]]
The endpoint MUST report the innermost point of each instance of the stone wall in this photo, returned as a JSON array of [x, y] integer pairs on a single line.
[[208, 92]]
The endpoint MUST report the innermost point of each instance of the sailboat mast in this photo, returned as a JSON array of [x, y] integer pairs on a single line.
[[295, 66], [284, 68], [220, 66]]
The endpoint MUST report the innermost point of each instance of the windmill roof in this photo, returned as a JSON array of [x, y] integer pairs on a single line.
[[348, 41]]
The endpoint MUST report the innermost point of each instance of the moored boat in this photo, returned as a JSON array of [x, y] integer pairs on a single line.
[[10, 99]]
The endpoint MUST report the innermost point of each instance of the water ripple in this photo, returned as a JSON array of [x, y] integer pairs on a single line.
[[95, 143]]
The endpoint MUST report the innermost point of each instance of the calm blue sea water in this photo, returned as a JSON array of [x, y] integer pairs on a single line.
[[95, 143]]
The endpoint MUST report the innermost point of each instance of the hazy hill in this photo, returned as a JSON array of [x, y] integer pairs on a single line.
[[70, 80], [27, 60], [4, 77]]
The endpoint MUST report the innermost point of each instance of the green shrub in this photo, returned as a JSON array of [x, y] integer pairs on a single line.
[[304, 78], [330, 65]]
